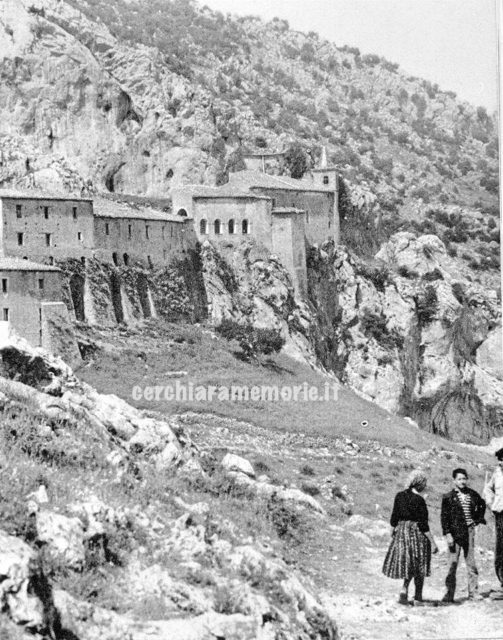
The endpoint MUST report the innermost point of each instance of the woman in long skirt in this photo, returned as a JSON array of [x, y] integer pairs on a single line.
[[409, 553]]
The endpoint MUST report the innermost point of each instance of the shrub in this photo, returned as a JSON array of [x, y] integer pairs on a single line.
[[407, 272], [310, 488], [253, 342], [379, 277], [307, 470], [374, 326], [290, 524], [427, 306], [431, 276]]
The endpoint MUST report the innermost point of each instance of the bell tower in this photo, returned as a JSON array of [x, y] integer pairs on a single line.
[[327, 178], [324, 175]]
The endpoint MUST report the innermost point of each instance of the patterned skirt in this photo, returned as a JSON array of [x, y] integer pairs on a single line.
[[409, 554]]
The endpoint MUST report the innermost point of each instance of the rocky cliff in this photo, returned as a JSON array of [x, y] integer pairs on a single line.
[[408, 332]]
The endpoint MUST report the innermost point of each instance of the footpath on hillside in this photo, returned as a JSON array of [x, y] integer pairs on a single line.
[[344, 560], [366, 606]]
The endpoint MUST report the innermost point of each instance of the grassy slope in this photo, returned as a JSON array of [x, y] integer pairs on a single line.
[[294, 444], [209, 360]]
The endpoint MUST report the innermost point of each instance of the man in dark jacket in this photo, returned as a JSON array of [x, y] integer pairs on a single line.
[[462, 510]]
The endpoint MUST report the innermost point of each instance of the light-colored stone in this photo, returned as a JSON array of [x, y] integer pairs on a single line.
[[232, 462], [17, 573], [64, 538]]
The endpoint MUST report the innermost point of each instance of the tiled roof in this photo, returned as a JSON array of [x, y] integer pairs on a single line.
[[225, 191], [287, 210], [104, 208], [259, 180], [18, 264], [27, 194]]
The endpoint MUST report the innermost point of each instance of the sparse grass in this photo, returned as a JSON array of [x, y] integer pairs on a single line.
[[213, 363]]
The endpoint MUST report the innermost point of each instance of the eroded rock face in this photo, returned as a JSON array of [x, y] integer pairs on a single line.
[[21, 585], [245, 283], [86, 111]]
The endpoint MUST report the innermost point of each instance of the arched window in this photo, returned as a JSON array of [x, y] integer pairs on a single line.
[[150, 263], [217, 227], [203, 227], [244, 227], [115, 259], [125, 257], [231, 227], [83, 261], [182, 212]]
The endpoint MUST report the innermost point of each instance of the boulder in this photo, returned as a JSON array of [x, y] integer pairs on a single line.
[[19, 573], [490, 354], [232, 462], [64, 538]]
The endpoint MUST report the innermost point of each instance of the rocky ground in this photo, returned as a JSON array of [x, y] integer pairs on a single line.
[[119, 522], [349, 565]]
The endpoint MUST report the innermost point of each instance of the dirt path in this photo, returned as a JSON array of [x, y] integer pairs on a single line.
[[366, 603]]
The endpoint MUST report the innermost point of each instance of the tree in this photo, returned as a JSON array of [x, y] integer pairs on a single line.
[[296, 160]]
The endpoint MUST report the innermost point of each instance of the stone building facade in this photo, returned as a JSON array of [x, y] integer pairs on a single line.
[[37, 231], [127, 234], [30, 293], [45, 229], [281, 213]]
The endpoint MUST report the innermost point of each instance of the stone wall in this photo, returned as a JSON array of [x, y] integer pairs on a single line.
[[254, 212], [288, 243], [21, 303], [51, 229], [320, 207], [125, 241], [58, 336]]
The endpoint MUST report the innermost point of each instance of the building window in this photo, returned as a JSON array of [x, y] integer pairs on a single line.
[[41, 283], [5, 315], [83, 261], [5, 285], [171, 231], [245, 229], [231, 227], [125, 257], [80, 237], [150, 263], [18, 211], [217, 228], [325, 179], [107, 229], [74, 212], [274, 203], [20, 239], [51, 260], [182, 212], [163, 232], [47, 239], [129, 230], [114, 258], [164, 253], [203, 227], [146, 231]]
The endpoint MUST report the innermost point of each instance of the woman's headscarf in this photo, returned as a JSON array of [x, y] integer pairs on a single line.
[[416, 478]]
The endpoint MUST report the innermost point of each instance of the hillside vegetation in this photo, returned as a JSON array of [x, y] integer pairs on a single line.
[[176, 92]]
